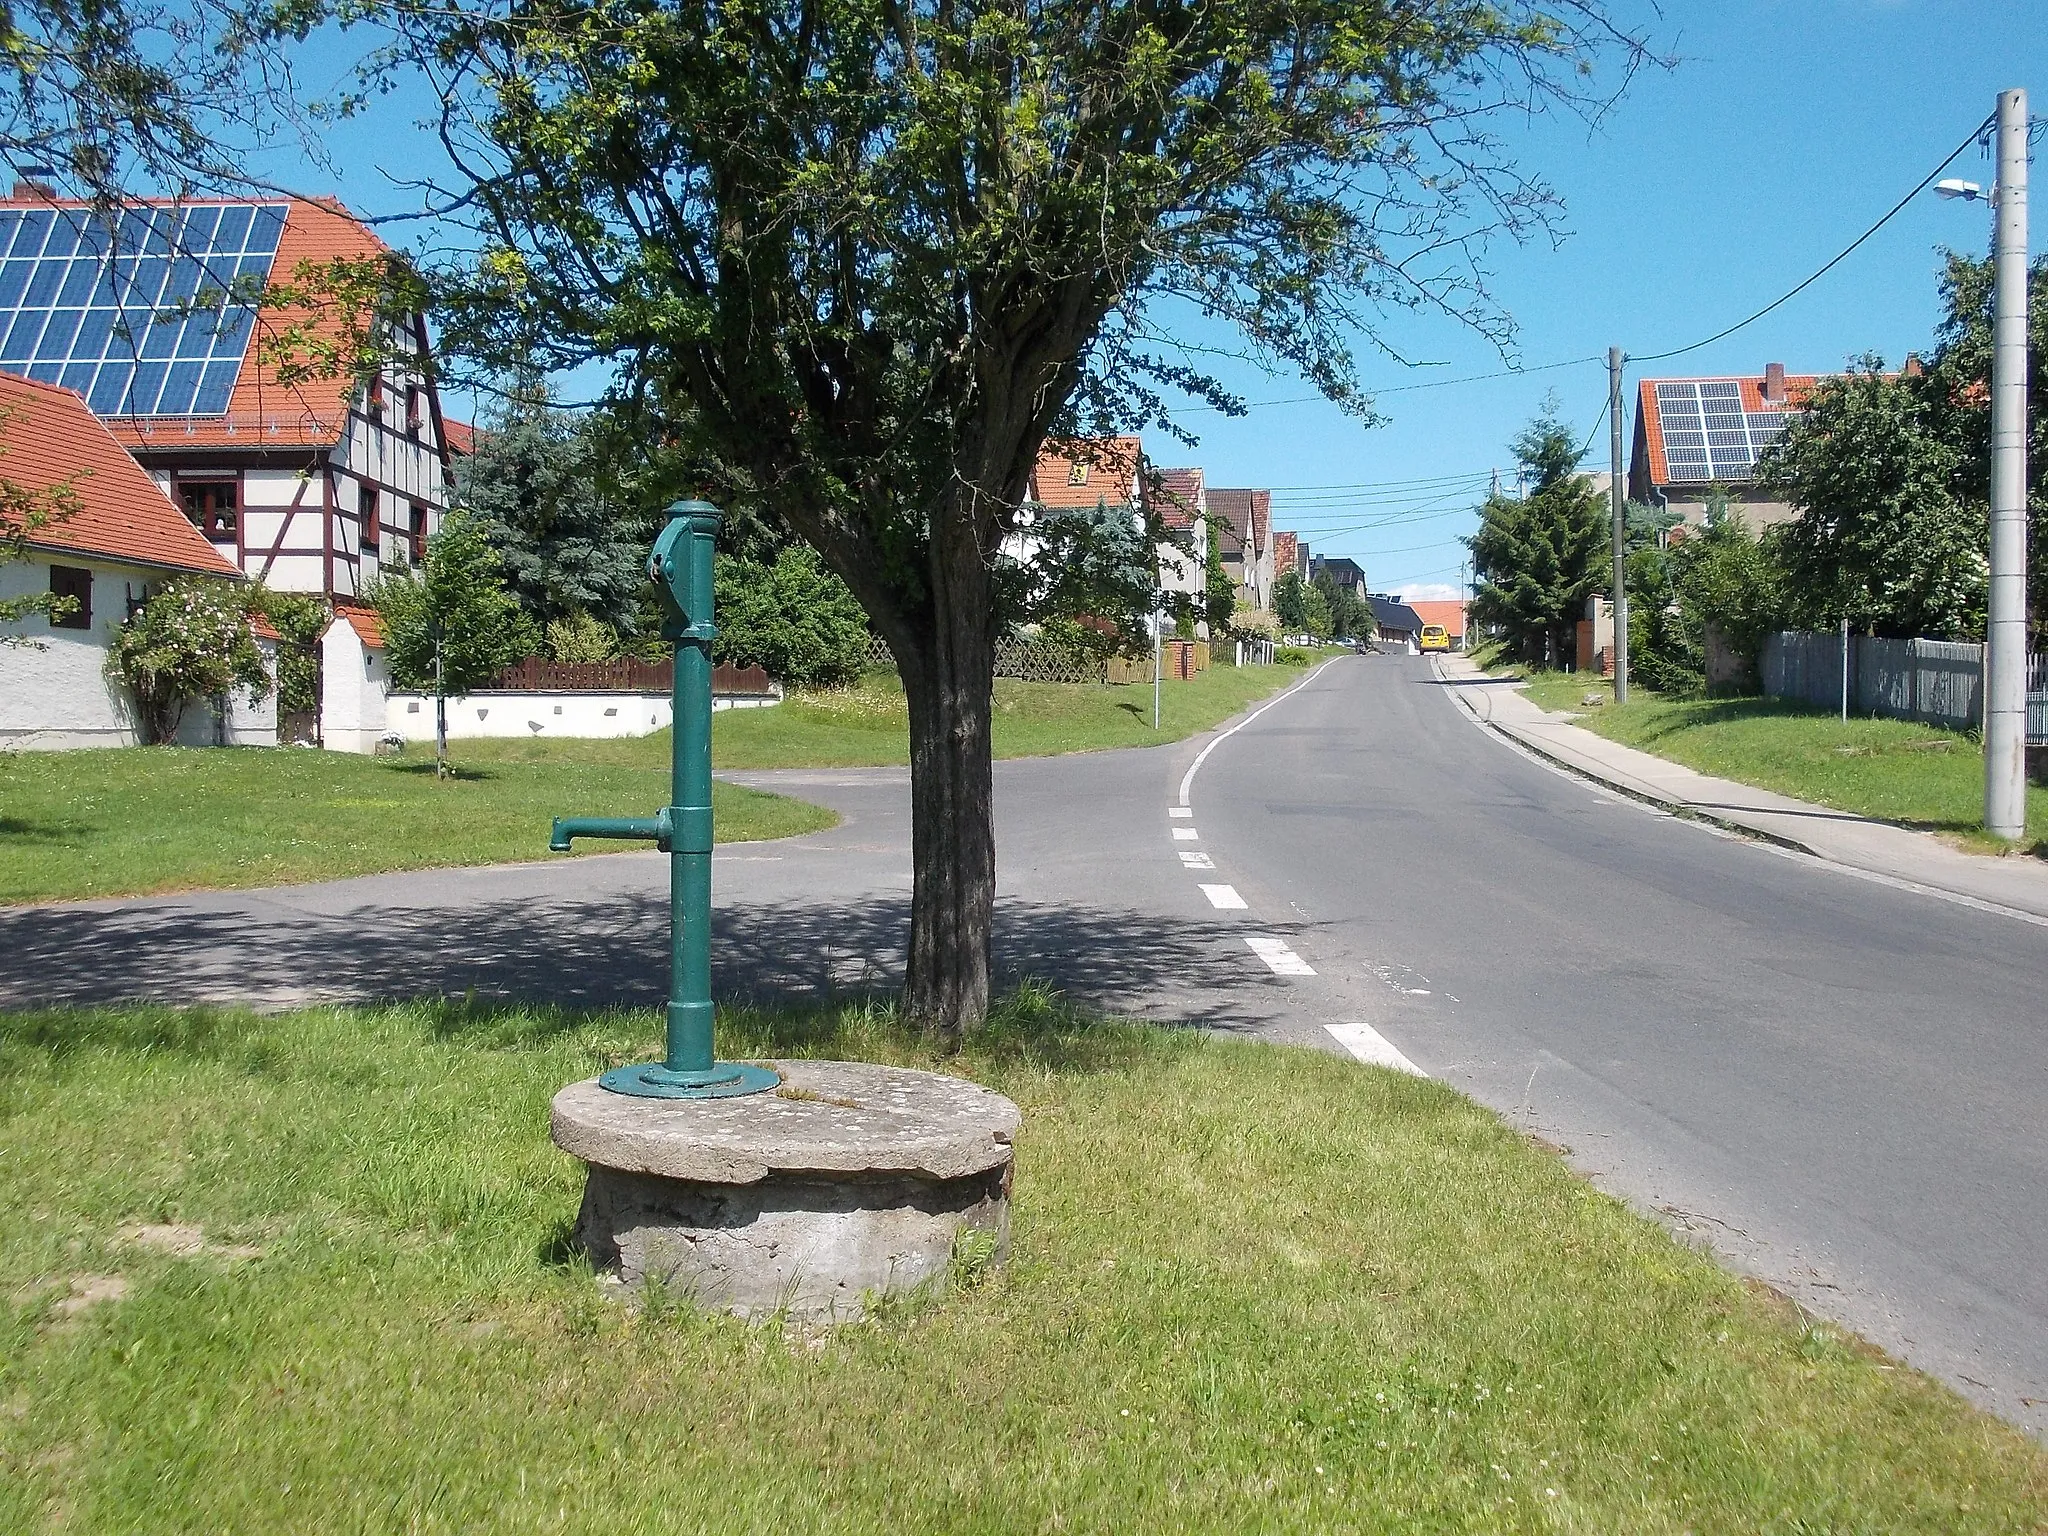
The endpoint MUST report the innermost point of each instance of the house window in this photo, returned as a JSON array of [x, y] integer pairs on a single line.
[[1077, 473], [417, 534], [210, 506], [412, 410], [366, 515], [74, 583], [375, 404]]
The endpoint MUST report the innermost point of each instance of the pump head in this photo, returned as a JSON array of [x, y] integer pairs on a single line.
[[681, 569]]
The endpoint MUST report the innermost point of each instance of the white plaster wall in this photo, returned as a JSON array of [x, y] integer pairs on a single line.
[[55, 693], [507, 713], [353, 687]]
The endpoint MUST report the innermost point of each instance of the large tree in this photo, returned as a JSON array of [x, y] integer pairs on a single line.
[[1885, 537], [1539, 557], [536, 487], [866, 255]]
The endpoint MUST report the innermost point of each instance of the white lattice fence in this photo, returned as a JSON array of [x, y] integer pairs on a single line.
[[1031, 661]]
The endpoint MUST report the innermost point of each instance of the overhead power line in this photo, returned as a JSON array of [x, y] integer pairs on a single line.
[[1835, 261]]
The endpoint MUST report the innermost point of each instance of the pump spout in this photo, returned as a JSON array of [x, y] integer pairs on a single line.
[[649, 829]]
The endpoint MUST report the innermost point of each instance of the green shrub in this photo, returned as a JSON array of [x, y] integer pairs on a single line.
[[794, 618], [190, 641], [300, 619], [579, 638], [1292, 656]]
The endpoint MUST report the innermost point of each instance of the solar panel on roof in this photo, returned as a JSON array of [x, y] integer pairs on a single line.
[[141, 318]]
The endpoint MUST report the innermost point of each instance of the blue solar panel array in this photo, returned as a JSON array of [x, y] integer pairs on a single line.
[[134, 313], [1707, 433]]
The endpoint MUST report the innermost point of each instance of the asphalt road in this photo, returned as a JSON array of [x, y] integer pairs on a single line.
[[1835, 1083]]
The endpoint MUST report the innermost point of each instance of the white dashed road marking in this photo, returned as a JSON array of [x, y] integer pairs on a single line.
[[1280, 960], [1372, 1047], [1186, 835], [1195, 860], [1224, 898], [1182, 812]]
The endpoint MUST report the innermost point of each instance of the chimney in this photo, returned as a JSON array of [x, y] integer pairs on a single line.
[[1774, 383], [1914, 367]]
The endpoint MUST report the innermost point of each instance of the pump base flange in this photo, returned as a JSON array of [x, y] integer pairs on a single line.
[[726, 1080]]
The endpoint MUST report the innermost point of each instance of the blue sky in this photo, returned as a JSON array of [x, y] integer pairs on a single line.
[[1784, 130]]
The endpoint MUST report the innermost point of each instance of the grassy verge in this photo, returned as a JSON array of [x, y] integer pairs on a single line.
[[869, 725], [133, 820], [378, 1324], [1918, 775]]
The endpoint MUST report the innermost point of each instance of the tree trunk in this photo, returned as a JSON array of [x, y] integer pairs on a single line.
[[947, 678]]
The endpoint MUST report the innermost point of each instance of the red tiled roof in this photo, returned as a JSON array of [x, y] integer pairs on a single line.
[[264, 412], [264, 628], [459, 435], [364, 621], [1798, 386], [1107, 470], [1448, 612], [1179, 496], [1286, 554], [1249, 513], [48, 436]]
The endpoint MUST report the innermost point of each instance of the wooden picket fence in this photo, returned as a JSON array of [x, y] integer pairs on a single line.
[[538, 675]]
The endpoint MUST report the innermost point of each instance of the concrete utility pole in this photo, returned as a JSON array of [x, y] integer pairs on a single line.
[[1619, 498], [2005, 670]]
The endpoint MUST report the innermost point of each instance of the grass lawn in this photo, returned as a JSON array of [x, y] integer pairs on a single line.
[[868, 724], [1252, 1290], [135, 819], [1895, 769], [128, 821]]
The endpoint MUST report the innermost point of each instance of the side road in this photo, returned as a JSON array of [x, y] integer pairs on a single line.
[[1859, 843]]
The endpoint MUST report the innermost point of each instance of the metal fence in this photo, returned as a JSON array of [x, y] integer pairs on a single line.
[[538, 675], [1940, 682]]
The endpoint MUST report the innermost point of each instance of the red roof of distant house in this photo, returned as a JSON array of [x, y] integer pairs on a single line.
[[263, 411], [1249, 514], [1793, 390], [1448, 612], [1179, 496], [1101, 470], [364, 621], [48, 437], [460, 436]]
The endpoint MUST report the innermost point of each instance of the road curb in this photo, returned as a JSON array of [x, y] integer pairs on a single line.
[[1684, 809]]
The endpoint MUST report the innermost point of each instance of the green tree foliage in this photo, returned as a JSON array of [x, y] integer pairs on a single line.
[[1219, 592], [459, 599], [1092, 563], [300, 620], [578, 638], [536, 487], [1722, 578], [1301, 607], [191, 640], [792, 617], [1350, 616], [1957, 387], [864, 256], [1884, 536], [1539, 558]]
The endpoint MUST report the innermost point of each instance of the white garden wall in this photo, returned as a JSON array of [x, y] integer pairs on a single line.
[[554, 713]]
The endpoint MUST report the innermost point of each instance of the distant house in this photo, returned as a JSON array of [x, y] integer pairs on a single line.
[[1349, 575], [1449, 612], [310, 485], [1289, 554], [1244, 523], [1693, 434], [1396, 621], [1111, 476], [124, 541]]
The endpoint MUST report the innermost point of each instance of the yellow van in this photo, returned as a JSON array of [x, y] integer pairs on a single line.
[[1435, 638]]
